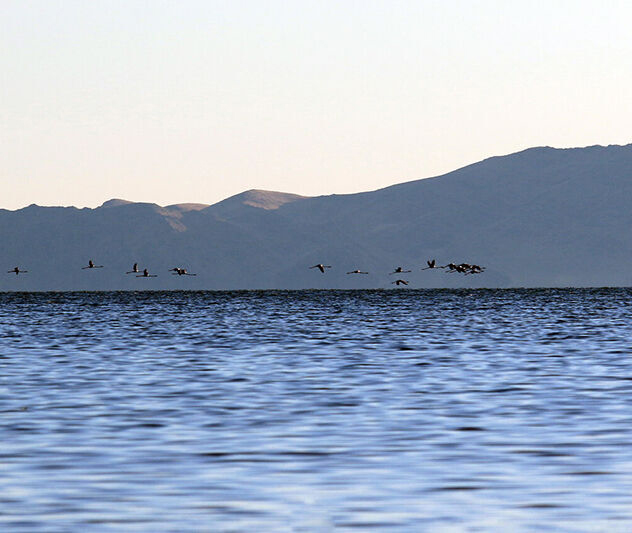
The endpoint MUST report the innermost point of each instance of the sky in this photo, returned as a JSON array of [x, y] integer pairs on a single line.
[[194, 101]]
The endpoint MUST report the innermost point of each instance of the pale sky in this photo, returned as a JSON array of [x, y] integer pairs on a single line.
[[194, 101]]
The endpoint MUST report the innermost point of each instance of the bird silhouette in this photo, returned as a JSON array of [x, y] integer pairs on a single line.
[[16, 271], [399, 270], [180, 272], [431, 264], [134, 269], [357, 272], [146, 274], [475, 269], [400, 282], [461, 269], [321, 267], [91, 265]]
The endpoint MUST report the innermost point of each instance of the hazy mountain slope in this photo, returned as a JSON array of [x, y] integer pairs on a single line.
[[541, 217]]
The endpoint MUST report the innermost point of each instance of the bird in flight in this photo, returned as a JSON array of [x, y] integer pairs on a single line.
[[400, 282], [134, 269], [357, 272], [321, 267], [91, 265], [146, 274], [475, 269], [181, 272], [431, 264], [16, 271], [463, 268], [399, 270]]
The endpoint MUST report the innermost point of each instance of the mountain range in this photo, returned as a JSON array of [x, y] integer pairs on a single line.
[[538, 218]]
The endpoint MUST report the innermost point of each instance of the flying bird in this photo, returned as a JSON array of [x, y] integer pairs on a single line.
[[321, 267], [431, 264], [400, 282], [399, 270], [134, 269], [91, 265], [16, 271], [357, 272], [461, 269], [475, 269], [180, 272], [146, 274]]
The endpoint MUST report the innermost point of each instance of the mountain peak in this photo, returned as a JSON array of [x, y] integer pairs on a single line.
[[115, 202], [267, 200], [183, 208]]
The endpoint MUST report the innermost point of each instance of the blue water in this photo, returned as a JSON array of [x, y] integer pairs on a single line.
[[392, 410]]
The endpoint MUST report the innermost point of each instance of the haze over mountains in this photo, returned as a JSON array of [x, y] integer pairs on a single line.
[[540, 217]]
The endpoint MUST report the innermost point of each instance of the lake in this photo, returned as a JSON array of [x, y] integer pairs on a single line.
[[392, 410]]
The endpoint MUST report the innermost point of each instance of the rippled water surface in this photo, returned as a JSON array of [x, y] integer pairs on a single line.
[[394, 410]]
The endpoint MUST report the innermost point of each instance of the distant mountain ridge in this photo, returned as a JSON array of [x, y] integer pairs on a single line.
[[539, 217]]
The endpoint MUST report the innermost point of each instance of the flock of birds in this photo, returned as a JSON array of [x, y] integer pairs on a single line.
[[176, 271], [461, 268]]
